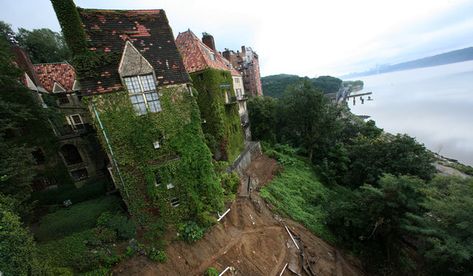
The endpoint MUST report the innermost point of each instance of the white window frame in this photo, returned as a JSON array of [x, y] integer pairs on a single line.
[[70, 120], [152, 92]]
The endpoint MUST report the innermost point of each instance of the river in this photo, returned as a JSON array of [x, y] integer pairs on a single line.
[[433, 104]]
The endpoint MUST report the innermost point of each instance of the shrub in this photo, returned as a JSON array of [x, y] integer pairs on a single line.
[[124, 227], [71, 251], [157, 255], [211, 271], [74, 219], [191, 232], [230, 182]]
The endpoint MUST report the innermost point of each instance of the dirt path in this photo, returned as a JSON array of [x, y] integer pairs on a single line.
[[250, 238]]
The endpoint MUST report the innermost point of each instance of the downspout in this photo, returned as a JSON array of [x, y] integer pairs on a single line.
[[115, 163]]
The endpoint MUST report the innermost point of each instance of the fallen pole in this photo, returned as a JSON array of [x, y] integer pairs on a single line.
[[224, 214], [287, 229], [284, 268], [226, 269]]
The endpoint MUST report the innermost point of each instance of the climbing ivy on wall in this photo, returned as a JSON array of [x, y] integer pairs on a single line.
[[71, 25], [222, 125], [182, 160]]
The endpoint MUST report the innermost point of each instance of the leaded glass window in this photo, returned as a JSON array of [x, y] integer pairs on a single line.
[[143, 94]]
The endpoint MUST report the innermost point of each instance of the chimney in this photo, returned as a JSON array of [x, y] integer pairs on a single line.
[[243, 49], [208, 40]]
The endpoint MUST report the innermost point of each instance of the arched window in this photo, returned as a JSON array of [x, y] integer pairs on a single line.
[[71, 154]]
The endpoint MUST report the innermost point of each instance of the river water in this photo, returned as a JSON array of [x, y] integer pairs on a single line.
[[433, 104]]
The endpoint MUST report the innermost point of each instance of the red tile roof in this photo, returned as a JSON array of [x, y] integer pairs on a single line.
[[108, 31], [49, 73], [196, 55], [23, 62]]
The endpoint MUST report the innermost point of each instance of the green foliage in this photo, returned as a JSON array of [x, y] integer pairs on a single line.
[[157, 255], [124, 227], [71, 25], [182, 160], [211, 271], [297, 193], [461, 167], [17, 249], [447, 227], [373, 220], [76, 252], [190, 231], [222, 121], [275, 86], [230, 183], [397, 155], [262, 111], [76, 218], [86, 63], [308, 120], [23, 128], [43, 45]]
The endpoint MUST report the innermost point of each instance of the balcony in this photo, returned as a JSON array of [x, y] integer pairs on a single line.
[[68, 131], [243, 97]]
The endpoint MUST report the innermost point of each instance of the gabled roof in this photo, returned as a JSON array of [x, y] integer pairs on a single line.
[[148, 31], [23, 62], [197, 55], [50, 73]]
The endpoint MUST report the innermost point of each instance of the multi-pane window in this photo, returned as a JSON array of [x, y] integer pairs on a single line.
[[143, 94]]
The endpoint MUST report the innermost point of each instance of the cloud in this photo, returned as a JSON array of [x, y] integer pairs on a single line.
[[302, 37]]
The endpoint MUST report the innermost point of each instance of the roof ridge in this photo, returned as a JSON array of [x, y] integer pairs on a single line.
[[52, 63]]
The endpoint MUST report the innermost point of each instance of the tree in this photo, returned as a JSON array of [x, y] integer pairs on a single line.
[[6, 32], [43, 45], [446, 230], [308, 120], [398, 155], [372, 220], [262, 111], [17, 249]]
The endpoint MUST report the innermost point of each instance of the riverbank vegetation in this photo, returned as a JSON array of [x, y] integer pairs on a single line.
[[375, 194]]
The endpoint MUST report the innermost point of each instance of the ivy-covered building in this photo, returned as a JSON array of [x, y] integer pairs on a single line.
[[78, 146], [221, 96], [142, 104]]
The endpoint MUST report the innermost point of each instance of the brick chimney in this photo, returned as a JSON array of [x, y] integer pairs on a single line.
[[208, 40]]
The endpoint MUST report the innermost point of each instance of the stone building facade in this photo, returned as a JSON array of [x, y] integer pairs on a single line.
[[201, 55], [247, 63]]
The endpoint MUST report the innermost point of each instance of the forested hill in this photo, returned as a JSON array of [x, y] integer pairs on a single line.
[[275, 85], [441, 59]]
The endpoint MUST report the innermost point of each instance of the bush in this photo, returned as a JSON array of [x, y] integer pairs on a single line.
[[157, 255], [71, 251], [191, 232], [74, 219], [211, 271], [124, 227], [230, 183]]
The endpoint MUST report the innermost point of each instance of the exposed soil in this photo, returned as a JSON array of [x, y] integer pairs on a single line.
[[252, 240]]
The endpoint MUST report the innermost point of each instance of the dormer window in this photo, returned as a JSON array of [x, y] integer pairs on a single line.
[[143, 94]]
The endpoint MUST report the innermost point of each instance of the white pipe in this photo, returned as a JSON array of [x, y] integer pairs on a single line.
[[224, 214], [226, 269], [292, 237], [284, 268]]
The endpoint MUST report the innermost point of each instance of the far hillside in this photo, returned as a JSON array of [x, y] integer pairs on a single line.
[[275, 85], [441, 59]]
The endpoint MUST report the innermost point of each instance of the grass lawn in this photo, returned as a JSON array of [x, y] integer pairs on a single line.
[[297, 193], [76, 218]]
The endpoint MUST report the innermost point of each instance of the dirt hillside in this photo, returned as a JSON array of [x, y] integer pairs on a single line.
[[250, 239]]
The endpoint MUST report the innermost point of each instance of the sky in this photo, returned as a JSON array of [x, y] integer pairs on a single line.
[[303, 37]]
